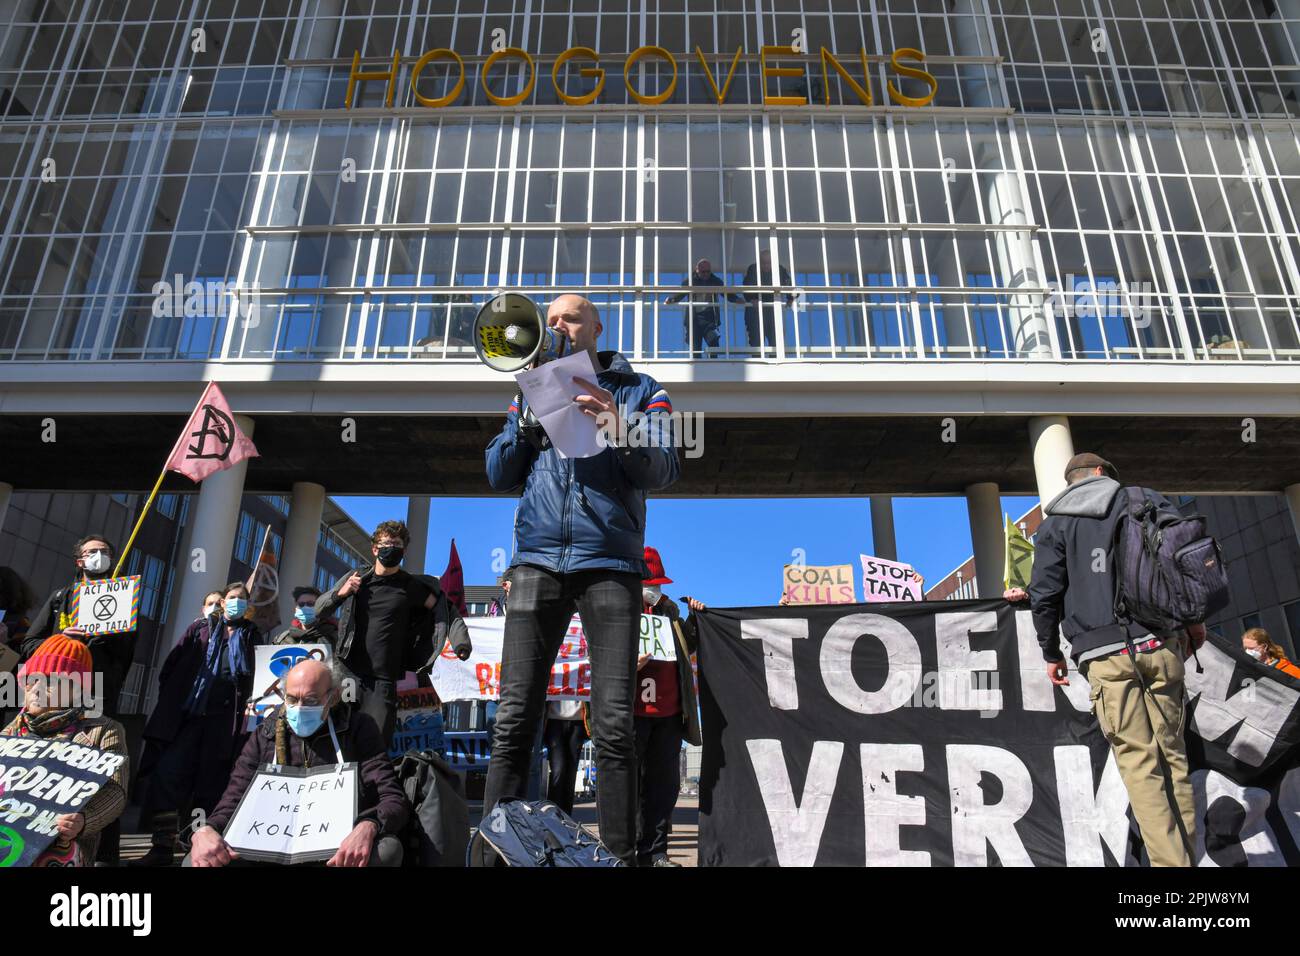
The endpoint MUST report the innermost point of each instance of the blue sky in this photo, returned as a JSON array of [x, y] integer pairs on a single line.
[[727, 552]]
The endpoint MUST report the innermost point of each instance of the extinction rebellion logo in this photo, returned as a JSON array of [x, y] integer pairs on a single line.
[[769, 72]]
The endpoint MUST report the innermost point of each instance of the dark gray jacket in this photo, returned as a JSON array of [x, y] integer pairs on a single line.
[[1072, 589], [430, 629]]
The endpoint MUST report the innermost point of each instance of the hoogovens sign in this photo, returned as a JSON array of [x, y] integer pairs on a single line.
[[928, 734]]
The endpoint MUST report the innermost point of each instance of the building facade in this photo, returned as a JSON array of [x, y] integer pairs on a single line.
[[1037, 223]]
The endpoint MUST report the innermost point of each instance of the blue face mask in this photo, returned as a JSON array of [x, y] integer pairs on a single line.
[[304, 721], [235, 607], [305, 615]]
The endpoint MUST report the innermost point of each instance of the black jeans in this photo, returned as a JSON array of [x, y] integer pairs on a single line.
[[195, 767], [768, 324], [564, 740], [377, 698], [658, 757], [702, 330], [541, 603]]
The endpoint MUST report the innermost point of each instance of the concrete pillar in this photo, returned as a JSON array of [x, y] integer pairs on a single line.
[[417, 522], [215, 518], [1292, 493], [1005, 205], [6, 492], [883, 543], [1049, 436], [984, 506], [298, 561]]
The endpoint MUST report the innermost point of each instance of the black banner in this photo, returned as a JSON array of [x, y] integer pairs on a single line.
[[929, 734], [42, 779]]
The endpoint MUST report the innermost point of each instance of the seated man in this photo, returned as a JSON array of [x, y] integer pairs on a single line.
[[298, 735]]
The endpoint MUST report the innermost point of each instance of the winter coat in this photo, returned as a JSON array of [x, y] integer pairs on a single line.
[[582, 514]]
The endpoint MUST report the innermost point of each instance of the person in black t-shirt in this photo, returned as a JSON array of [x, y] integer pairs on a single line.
[[382, 614]]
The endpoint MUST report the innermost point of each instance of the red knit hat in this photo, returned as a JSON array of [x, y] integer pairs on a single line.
[[656, 568], [60, 654]]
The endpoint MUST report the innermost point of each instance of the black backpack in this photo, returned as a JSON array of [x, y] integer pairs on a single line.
[[535, 833], [438, 831], [1169, 572]]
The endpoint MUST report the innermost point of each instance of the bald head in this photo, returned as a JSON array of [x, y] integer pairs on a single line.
[[576, 318], [309, 683]]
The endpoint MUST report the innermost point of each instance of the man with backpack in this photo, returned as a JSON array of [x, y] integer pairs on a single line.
[[1081, 589]]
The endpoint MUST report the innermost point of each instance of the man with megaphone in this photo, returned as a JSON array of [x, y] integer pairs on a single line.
[[579, 545]]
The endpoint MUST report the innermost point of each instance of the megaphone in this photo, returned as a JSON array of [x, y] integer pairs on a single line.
[[510, 333]]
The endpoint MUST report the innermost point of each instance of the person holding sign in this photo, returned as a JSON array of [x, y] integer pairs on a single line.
[[315, 729], [191, 735], [665, 712], [112, 653], [56, 682]]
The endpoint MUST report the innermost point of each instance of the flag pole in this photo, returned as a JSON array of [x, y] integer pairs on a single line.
[[153, 494], [139, 521]]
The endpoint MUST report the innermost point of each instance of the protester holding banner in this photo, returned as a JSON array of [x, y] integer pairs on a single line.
[[665, 712], [192, 734], [380, 619], [307, 627], [579, 540], [112, 653], [1264, 649], [57, 678], [314, 728], [1136, 677]]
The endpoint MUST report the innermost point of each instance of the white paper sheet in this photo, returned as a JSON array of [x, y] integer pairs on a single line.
[[550, 390]]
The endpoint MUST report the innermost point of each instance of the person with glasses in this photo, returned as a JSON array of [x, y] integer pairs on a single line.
[[315, 728]]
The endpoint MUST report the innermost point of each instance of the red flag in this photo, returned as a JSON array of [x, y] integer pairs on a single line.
[[211, 441], [453, 581]]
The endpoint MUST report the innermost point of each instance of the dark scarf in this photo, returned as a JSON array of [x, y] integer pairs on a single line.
[[49, 723], [240, 666]]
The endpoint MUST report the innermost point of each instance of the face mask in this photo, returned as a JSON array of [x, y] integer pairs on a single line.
[[97, 563], [235, 607], [211, 610], [1256, 653], [304, 721], [651, 593], [305, 615], [391, 557]]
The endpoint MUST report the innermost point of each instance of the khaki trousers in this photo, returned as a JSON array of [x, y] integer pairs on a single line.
[[1145, 731]]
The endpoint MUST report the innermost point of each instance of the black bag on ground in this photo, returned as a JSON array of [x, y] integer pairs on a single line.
[[438, 831], [1169, 572], [535, 833]]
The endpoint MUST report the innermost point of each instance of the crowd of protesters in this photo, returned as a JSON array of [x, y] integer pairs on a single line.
[[579, 546]]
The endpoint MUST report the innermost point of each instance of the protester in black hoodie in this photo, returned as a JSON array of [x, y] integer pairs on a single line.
[[1136, 677]]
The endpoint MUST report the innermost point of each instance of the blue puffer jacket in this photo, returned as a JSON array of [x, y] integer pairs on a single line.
[[581, 514]]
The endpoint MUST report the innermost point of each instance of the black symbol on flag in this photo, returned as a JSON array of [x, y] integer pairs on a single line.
[[104, 607], [217, 424]]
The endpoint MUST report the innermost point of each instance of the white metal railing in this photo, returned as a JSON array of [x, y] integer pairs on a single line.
[[816, 323]]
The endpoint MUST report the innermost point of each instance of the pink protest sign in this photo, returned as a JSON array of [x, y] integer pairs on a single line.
[[888, 581]]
